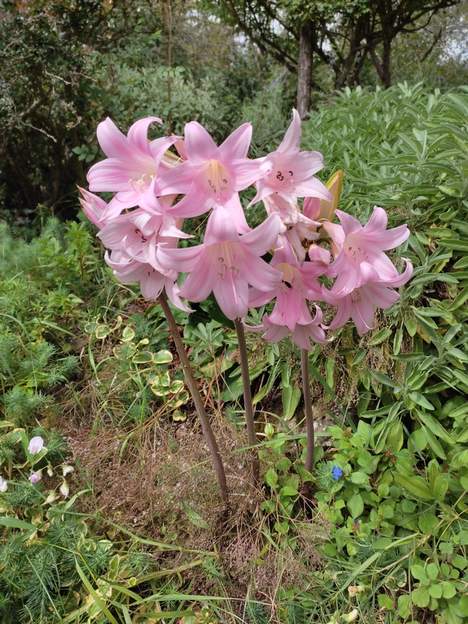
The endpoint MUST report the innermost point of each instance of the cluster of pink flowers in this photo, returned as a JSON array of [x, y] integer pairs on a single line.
[[156, 189]]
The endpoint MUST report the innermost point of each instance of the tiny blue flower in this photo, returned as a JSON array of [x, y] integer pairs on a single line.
[[337, 473]]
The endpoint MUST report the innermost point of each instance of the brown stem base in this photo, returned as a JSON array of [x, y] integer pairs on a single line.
[[309, 416], [200, 408], [248, 405]]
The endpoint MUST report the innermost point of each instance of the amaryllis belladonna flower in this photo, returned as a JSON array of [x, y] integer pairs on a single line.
[[290, 172], [212, 175], [360, 305], [227, 263], [131, 165], [362, 247], [151, 281]]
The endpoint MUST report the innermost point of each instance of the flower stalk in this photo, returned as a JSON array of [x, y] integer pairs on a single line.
[[200, 408], [309, 415], [248, 405]]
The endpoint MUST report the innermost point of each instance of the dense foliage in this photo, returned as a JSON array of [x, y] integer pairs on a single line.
[[385, 538]]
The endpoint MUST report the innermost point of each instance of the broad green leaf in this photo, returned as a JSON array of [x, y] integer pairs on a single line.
[[415, 485], [355, 505]]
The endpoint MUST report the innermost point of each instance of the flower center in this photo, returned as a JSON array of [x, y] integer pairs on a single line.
[[281, 175], [227, 259], [141, 183], [353, 249], [217, 177], [289, 274]]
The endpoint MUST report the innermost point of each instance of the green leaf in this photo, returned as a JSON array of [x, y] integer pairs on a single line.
[[382, 378], [355, 505], [15, 523], [449, 590], [271, 478], [380, 336], [432, 571], [421, 400], [427, 522], [418, 572], [194, 517], [435, 427], [163, 357], [397, 340], [416, 486], [359, 478], [420, 597], [288, 490]]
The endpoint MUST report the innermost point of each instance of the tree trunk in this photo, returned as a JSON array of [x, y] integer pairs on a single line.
[[304, 68], [386, 75]]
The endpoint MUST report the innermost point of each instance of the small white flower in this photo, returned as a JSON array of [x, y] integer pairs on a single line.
[[3, 485], [36, 445], [35, 477], [64, 489]]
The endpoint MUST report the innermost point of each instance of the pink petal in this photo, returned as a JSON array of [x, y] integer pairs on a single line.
[[220, 227], [112, 141], [378, 220], [173, 292], [343, 313], [381, 296], [158, 147], [179, 179], [292, 138], [121, 201], [260, 274], [193, 204], [336, 233], [257, 298], [236, 213], [312, 187], [311, 207], [232, 296], [111, 175], [246, 172], [387, 239], [363, 313], [264, 236], [237, 144], [151, 284], [349, 223], [401, 279], [183, 260], [199, 282], [138, 133], [199, 145]]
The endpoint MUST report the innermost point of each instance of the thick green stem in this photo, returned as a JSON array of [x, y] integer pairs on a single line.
[[309, 416], [200, 408], [248, 406]]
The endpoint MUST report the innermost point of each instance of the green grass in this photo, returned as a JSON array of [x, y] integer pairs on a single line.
[[84, 364]]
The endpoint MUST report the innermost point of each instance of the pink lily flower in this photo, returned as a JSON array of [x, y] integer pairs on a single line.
[[151, 281], [362, 247], [227, 263], [212, 175], [290, 172], [94, 207], [302, 335], [360, 305], [298, 285], [140, 235], [131, 165], [297, 226]]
